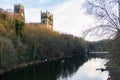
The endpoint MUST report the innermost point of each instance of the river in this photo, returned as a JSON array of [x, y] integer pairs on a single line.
[[68, 69]]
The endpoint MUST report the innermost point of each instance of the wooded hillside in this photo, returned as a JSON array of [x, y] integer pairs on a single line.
[[20, 43]]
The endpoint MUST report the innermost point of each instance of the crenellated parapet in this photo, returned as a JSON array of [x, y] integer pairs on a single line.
[[47, 18]]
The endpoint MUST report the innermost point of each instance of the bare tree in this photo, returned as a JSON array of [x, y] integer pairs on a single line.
[[105, 12]]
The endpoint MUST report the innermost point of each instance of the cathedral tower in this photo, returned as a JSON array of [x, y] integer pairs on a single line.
[[19, 9], [47, 18]]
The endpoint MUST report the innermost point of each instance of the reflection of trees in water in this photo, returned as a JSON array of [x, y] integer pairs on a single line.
[[70, 66], [46, 71]]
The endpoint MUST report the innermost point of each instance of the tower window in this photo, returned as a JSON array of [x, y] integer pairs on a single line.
[[43, 21], [17, 11]]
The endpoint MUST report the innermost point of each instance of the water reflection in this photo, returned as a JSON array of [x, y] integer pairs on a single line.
[[72, 69], [88, 71]]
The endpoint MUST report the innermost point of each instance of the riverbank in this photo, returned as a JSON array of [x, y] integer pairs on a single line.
[[114, 72], [26, 64], [71, 69]]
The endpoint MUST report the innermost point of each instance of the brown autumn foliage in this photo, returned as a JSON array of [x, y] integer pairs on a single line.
[[36, 43]]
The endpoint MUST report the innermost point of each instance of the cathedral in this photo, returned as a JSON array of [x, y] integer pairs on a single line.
[[46, 17]]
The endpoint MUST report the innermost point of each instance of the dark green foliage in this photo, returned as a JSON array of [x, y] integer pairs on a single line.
[[38, 44], [114, 57], [3, 16], [42, 43], [7, 53], [103, 45], [19, 27]]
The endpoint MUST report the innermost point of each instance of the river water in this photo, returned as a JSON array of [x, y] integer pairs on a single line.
[[68, 69]]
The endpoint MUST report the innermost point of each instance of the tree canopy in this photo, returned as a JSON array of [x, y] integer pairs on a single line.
[[105, 12]]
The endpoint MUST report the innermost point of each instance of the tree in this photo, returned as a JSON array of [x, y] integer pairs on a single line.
[[106, 15], [7, 53], [105, 11], [19, 27]]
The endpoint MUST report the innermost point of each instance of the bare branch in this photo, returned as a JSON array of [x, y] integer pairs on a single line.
[[108, 22]]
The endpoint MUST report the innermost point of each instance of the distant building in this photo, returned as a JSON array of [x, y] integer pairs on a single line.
[[47, 20], [19, 9], [9, 10], [46, 17], [1, 10]]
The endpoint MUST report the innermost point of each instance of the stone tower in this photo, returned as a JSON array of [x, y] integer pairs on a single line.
[[19, 9], [47, 18]]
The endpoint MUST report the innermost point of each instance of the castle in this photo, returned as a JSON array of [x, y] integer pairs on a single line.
[[46, 17]]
